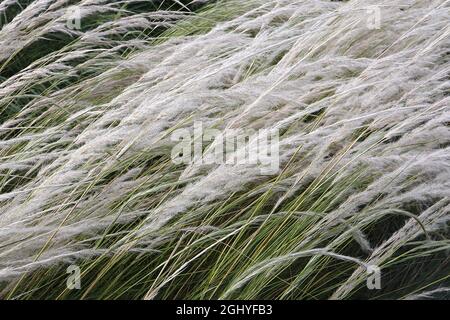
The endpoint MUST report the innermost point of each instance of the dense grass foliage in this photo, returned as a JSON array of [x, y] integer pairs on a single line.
[[87, 179]]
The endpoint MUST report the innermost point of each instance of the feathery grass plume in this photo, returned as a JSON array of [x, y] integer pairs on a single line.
[[358, 92]]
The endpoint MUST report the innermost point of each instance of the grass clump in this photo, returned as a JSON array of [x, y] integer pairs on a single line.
[[87, 178]]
